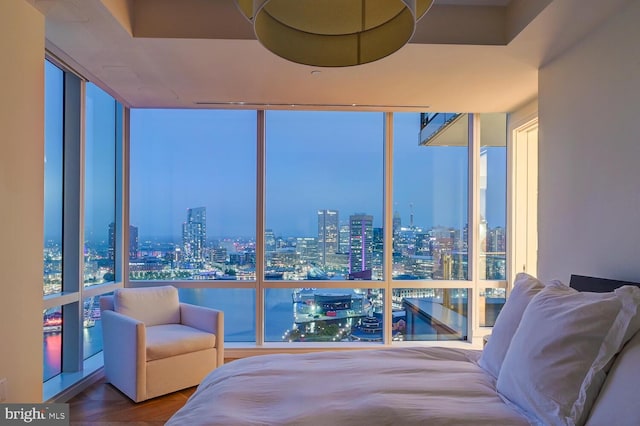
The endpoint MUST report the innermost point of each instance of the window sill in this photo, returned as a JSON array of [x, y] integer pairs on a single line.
[[64, 386]]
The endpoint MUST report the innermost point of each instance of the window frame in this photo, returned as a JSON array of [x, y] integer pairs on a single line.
[[74, 365], [75, 368], [387, 284]]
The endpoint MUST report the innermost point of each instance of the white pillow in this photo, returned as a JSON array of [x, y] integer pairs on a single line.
[[554, 367], [151, 305], [617, 402], [524, 288]]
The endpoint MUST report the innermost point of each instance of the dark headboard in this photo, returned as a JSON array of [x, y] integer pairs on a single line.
[[597, 285]]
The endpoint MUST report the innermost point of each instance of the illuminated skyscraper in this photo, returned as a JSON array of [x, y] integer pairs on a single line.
[[397, 225], [360, 244], [307, 249], [133, 241], [328, 234], [343, 244], [194, 234]]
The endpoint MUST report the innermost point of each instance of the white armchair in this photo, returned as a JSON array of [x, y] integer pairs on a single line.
[[154, 345]]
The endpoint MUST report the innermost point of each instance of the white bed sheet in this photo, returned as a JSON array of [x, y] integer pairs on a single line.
[[398, 386]]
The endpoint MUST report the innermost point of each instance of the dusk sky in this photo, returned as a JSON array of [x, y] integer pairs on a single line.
[[314, 160], [53, 153]]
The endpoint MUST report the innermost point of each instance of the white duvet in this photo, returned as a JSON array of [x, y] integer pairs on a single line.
[[398, 386]]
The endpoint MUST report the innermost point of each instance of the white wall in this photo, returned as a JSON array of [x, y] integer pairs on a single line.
[[21, 198], [589, 153]]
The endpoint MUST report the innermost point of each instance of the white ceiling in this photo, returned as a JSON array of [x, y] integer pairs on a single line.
[[466, 55]]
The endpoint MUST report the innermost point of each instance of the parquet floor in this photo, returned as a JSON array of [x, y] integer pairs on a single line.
[[103, 405]]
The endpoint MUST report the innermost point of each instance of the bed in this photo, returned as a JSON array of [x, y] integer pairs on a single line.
[[581, 370]]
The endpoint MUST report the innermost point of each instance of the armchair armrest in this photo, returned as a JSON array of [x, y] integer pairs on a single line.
[[125, 353], [202, 318], [205, 319]]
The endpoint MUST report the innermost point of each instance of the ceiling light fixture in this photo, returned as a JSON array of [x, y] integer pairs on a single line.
[[333, 33]]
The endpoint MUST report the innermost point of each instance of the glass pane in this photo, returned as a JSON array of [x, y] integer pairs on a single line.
[[238, 305], [53, 166], [52, 342], [493, 196], [430, 199], [491, 302], [324, 181], [99, 187], [193, 195], [92, 326], [324, 315], [430, 313]]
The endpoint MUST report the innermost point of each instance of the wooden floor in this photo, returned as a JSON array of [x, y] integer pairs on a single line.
[[102, 404]]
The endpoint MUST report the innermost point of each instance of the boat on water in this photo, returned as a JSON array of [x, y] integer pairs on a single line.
[[48, 329]]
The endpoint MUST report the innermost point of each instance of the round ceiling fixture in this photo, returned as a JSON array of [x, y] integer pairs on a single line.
[[333, 33]]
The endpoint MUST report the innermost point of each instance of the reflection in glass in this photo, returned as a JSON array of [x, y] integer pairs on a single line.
[[91, 326], [238, 305], [491, 302], [324, 179], [430, 313], [493, 196], [53, 166], [430, 190], [99, 186], [193, 195], [52, 342], [324, 315]]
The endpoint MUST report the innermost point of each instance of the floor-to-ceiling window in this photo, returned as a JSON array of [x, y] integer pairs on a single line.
[[99, 186], [239, 208], [303, 226], [53, 172], [430, 227], [492, 226], [193, 208], [82, 221], [323, 222], [102, 225]]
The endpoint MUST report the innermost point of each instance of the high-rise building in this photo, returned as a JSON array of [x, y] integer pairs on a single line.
[[360, 243], [378, 240], [194, 234], [307, 249], [269, 240], [496, 240], [133, 241], [397, 222], [328, 234], [343, 243], [397, 225]]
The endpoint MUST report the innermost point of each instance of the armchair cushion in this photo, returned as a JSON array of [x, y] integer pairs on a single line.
[[164, 341], [151, 305]]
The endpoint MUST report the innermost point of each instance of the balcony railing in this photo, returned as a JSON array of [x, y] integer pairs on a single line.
[[433, 123]]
